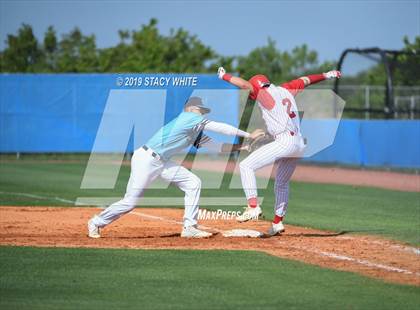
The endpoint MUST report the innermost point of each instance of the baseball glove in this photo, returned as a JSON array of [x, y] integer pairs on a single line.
[[259, 142]]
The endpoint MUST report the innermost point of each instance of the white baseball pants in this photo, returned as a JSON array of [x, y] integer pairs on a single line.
[[145, 169], [284, 152]]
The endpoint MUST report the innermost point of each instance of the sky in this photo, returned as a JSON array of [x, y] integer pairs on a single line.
[[229, 27]]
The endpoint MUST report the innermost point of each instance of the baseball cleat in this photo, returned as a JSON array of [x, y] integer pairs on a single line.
[[194, 232], [276, 229], [249, 214], [93, 230]]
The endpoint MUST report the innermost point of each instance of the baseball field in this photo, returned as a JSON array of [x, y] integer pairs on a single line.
[[345, 246]]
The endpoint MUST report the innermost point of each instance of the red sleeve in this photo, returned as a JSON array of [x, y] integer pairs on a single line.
[[294, 87], [315, 78]]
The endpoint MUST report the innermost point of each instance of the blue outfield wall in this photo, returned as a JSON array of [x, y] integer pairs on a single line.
[[62, 113], [374, 143]]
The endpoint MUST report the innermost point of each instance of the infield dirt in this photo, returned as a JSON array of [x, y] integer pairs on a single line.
[[160, 229]]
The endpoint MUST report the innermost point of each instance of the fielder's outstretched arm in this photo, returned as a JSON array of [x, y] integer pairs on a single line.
[[205, 141], [226, 129], [230, 130]]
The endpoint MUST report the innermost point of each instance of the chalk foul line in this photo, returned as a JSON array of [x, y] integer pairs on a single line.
[[38, 197], [341, 257], [314, 251]]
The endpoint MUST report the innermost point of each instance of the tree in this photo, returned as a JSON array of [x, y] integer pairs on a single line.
[[267, 60], [407, 71], [22, 53], [146, 50], [280, 66], [50, 49], [77, 53]]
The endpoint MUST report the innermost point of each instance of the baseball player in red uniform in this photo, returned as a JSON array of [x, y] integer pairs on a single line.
[[280, 113]]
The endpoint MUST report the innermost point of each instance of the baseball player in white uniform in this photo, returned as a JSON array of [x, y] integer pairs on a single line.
[[153, 160], [280, 113]]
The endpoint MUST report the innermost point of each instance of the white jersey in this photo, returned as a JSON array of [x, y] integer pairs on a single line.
[[279, 110], [280, 113]]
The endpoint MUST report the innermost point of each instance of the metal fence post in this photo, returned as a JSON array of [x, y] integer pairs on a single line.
[[367, 102], [412, 107]]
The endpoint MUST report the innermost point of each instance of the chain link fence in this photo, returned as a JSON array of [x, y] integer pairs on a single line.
[[368, 102]]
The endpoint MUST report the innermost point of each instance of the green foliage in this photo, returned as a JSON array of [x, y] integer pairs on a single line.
[[278, 65], [77, 53], [23, 53], [50, 48], [408, 70], [404, 69], [143, 50], [147, 50]]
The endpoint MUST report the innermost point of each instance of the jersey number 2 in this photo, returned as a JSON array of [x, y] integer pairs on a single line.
[[289, 106]]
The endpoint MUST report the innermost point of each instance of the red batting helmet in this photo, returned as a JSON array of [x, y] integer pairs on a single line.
[[258, 81]]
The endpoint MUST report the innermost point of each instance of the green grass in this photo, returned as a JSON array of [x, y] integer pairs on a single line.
[[363, 210], [55, 278], [114, 279], [334, 207]]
